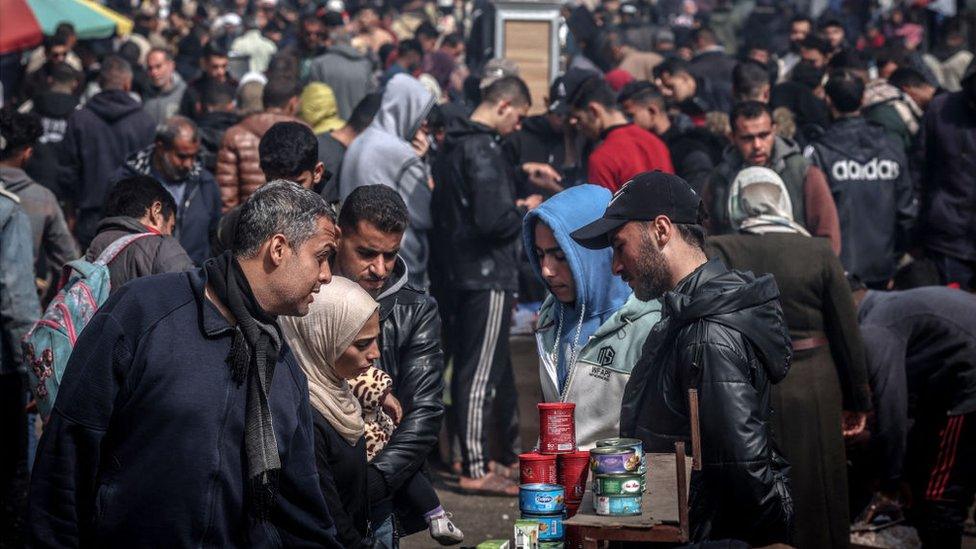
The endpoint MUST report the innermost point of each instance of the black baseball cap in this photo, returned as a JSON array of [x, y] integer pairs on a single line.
[[643, 198], [563, 88]]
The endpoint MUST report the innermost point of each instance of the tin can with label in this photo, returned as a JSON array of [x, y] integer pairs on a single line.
[[557, 427], [541, 499], [572, 470], [550, 525], [537, 468], [551, 545], [617, 485], [613, 459], [634, 443], [526, 534], [618, 506]]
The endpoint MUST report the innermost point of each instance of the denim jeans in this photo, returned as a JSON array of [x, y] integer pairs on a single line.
[[384, 535]]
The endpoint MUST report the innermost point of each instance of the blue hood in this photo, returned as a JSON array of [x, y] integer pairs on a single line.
[[596, 288]]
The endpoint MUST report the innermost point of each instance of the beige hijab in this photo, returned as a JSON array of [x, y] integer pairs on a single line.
[[339, 312]]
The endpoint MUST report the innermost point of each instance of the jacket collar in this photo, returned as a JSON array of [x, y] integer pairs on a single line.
[[396, 282], [14, 179], [211, 321]]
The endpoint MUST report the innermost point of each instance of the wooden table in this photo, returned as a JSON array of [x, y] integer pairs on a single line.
[[665, 507]]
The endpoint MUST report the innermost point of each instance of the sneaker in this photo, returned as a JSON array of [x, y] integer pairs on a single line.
[[443, 530], [881, 513]]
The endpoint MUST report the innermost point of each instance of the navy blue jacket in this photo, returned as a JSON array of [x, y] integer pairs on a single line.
[[199, 211], [97, 140], [144, 447]]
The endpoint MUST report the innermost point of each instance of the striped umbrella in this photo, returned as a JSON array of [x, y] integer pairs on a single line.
[[88, 22], [19, 28]]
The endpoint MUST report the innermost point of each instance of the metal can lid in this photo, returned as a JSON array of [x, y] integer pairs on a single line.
[[541, 487], [611, 451]]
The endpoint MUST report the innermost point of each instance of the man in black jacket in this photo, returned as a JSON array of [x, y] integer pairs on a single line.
[[721, 333], [948, 192], [372, 220], [477, 225], [97, 140], [869, 179]]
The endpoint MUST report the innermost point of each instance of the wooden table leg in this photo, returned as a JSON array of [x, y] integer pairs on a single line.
[[679, 453]]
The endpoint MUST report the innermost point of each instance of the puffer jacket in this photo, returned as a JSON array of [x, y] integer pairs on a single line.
[[587, 348], [238, 161], [723, 333], [410, 349], [143, 257], [476, 222], [19, 307]]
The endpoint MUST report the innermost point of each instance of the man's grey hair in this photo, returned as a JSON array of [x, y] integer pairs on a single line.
[[174, 127], [280, 207]]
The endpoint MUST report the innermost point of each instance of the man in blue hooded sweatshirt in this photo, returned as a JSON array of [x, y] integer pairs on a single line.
[[591, 328]]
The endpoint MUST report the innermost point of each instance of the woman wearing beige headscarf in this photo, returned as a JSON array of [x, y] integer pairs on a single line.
[[825, 396], [335, 342]]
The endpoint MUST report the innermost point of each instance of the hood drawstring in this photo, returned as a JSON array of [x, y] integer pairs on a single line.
[[574, 348]]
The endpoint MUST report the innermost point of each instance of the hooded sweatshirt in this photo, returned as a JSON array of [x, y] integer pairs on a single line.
[[382, 155], [54, 108], [319, 108], [348, 72], [162, 104], [98, 139], [587, 348]]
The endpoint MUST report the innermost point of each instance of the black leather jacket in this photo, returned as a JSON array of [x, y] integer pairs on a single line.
[[410, 347], [476, 223], [723, 332]]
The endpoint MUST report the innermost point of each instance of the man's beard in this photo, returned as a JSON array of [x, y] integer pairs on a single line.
[[653, 278]]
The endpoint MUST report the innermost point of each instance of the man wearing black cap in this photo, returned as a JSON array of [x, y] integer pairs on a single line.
[[721, 334]]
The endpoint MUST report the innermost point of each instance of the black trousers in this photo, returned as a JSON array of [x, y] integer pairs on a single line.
[[482, 321], [942, 459]]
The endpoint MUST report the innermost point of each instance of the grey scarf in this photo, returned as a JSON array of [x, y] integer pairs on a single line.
[[252, 358]]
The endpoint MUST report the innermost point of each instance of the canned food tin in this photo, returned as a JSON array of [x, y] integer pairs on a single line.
[[618, 506], [617, 485], [550, 526], [557, 427], [537, 469], [613, 459], [634, 443], [571, 471], [551, 545], [541, 499]]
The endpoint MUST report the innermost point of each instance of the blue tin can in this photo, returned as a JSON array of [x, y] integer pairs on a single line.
[[541, 499], [634, 443], [617, 506], [550, 525]]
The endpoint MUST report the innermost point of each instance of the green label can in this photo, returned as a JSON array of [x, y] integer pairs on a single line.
[[617, 485]]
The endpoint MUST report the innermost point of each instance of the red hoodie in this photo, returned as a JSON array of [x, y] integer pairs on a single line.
[[626, 151]]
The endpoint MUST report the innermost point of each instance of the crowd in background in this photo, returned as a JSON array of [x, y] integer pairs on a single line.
[[831, 144]]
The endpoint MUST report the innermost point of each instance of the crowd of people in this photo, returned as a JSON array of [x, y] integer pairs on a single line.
[[279, 244]]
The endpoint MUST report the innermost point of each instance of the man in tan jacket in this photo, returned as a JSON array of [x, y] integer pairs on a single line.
[[238, 162]]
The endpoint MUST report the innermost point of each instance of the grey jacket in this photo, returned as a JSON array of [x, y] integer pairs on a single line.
[[19, 307], [143, 257], [53, 244], [165, 103], [382, 155], [348, 72]]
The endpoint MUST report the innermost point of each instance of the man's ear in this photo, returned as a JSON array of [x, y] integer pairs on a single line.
[[277, 247], [595, 109], [317, 173], [502, 107], [663, 230]]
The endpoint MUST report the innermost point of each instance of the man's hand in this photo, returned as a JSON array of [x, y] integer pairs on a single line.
[[392, 408], [530, 203], [420, 143], [543, 176], [853, 423]]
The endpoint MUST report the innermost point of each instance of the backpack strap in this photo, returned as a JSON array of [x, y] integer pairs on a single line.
[[115, 248]]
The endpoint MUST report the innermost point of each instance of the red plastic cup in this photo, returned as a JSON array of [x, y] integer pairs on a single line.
[[537, 468], [572, 471], [557, 427]]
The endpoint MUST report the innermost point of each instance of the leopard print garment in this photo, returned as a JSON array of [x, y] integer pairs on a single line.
[[370, 389]]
